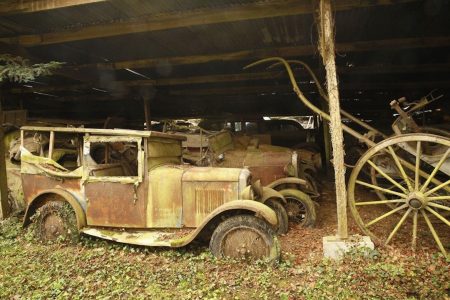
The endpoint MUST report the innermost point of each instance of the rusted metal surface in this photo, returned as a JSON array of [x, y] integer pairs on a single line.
[[201, 198], [166, 195], [34, 184], [165, 199], [106, 132], [266, 163], [114, 204]]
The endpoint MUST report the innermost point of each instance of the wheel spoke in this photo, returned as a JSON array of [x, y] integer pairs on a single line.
[[400, 168], [439, 198], [439, 206], [438, 215], [380, 202], [433, 232], [422, 173], [387, 176], [380, 189], [416, 172], [442, 185], [436, 169], [414, 237], [386, 215], [397, 227]]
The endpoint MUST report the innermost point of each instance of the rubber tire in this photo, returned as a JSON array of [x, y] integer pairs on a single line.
[[282, 216], [64, 211], [313, 184], [305, 200], [246, 221]]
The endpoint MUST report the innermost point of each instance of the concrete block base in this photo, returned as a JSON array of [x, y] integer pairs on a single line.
[[335, 248]]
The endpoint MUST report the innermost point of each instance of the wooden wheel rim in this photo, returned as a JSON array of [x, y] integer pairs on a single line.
[[244, 242], [412, 207], [52, 227]]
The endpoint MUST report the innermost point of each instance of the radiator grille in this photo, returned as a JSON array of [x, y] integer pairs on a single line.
[[208, 200]]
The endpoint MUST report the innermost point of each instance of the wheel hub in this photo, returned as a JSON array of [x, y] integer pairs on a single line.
[[416, 200]]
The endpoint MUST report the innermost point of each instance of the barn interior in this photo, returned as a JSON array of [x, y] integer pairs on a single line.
[[126, 64], [186, 58]]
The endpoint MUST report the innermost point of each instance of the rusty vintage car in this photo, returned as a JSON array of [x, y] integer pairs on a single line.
[[271, 166], [136, 190]]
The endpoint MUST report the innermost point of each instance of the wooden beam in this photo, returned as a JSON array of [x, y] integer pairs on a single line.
[[327, 50], [268, 89], [295, 51], [219, 78], [48, 89], [394, 69], [235, 90], [30, 6], [186, 19], [4, 203]]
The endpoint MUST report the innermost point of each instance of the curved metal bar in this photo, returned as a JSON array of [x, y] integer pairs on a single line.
[[325, 96], [305, 101], [324, 115]]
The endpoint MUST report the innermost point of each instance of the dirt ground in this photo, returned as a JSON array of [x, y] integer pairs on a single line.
[[96, 269], [306, 243]]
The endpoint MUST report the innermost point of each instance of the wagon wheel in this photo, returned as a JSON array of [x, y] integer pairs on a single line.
[[387, 162], [416, 204]]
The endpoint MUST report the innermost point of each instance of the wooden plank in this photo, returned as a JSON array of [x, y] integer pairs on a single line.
[[294, 51], [30, 6], [256, 89], [186, 19], [395, 69], [268, 89]]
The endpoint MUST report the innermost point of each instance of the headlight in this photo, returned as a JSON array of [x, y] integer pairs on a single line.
[[289, 170], [248, 193]]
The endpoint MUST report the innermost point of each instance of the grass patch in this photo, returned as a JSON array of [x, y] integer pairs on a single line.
[[94, 268]]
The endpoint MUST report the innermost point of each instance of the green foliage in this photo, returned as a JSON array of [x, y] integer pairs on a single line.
[[98, 269], [18, 69]]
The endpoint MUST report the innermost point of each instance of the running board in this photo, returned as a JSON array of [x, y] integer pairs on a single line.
[[139, 237]]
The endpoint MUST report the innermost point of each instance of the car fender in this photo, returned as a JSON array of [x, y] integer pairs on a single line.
[[35, 203], [286, 180], [269, 193], [258, 208]]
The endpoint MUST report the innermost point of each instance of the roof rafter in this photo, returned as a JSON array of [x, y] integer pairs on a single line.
[[192, 18], [19, 7], [303, 50], [265, 89], [238, 77]]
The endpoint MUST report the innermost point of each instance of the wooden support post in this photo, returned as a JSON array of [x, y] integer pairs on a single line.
[[326, 140], [327, 50], [51, 144], [148, 121], [4, 205]]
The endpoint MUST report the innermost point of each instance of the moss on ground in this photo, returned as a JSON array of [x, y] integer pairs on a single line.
[[99, 269]]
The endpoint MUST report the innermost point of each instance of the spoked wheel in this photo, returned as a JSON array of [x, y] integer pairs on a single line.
[[417, 197], [299, 207], [56, 220], [246, 237]]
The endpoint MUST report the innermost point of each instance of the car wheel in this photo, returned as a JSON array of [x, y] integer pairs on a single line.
[[282, 216], [55, 220], [300, 208], [247, 237]]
